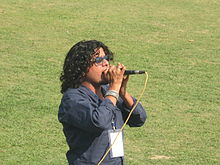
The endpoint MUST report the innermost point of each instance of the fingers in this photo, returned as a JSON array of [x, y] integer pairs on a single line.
[[111, 68], [126, 77], [117, 77], [121, 68], [115, 69], [116, 72], [114, 75]]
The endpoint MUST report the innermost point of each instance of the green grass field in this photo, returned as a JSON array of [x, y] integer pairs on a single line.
[[176, 41]]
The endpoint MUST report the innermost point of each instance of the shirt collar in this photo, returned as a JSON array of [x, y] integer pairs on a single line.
[[90, 92]]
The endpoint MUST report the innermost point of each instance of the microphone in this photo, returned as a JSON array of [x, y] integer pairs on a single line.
[[128, 72]]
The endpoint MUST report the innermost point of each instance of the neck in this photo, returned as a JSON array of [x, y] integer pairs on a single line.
[[95, 88]]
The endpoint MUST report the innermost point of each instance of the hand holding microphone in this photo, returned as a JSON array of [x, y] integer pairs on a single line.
[[114, 72], [123, 75], [118, 76]]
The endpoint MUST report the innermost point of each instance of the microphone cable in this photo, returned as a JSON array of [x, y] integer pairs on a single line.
[[129, 115]]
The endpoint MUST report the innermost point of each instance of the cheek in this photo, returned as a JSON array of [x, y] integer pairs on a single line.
[[93, 73]]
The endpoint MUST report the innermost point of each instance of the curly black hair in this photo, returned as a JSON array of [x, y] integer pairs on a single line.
[[77, 62]]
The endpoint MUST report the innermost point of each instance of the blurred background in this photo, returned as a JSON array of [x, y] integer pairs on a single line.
[[176, 41]]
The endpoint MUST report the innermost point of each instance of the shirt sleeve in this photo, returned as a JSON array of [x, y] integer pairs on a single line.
[[138, 116], [80, 112]]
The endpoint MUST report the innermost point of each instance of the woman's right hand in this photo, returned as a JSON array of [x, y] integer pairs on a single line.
[[114, 76]]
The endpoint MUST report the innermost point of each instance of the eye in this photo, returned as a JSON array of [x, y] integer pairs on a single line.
[[106, 57], [98, 59]]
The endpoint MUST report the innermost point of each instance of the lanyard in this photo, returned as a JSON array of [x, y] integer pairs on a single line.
[[114, 122]]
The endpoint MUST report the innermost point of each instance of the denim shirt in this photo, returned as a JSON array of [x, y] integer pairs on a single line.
[[86, 120]]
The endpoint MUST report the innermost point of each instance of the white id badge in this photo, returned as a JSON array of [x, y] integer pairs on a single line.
[[118, 147]]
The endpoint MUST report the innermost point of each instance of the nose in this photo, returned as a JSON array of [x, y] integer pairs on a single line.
[[105, 62]]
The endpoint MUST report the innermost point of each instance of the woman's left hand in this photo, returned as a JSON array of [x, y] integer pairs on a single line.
[[123, 91]]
